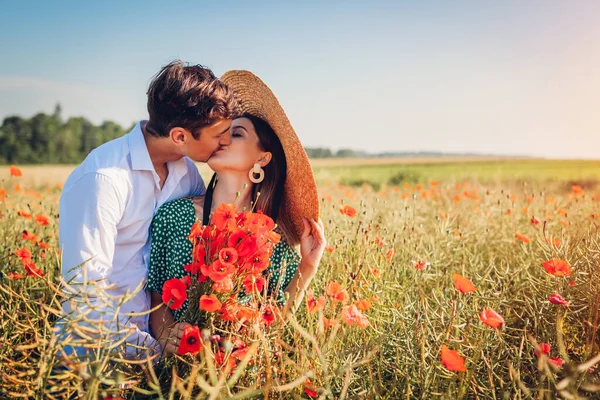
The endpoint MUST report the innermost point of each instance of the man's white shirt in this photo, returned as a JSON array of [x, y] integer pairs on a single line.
[[106, 209]]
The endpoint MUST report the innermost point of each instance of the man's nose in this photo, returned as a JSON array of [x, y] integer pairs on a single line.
[[225, 139]]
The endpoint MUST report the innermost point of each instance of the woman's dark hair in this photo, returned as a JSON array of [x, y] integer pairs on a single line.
[[187, 96], [271, 200]]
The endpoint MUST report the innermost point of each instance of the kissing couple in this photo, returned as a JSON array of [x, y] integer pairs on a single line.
[[126, 212]]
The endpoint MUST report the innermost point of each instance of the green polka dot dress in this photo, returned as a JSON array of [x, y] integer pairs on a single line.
[[171, 249]]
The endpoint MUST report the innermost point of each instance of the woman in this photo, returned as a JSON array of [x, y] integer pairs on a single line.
[[266, 157]]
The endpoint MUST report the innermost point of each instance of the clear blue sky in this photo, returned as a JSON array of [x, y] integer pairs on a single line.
[[503, 77]]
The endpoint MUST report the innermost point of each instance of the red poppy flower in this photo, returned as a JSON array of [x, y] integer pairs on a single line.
[[31, 270], [553, 241], [258, 223], [23, 253], [29, 237], [462, 284], [43, 245], [187, 280], [535, 221], [254, 284], [390, 254], [258, 263], [523, 238], [420, 264], [25, 214], [42, 220], [194, 267], [329, 249], [199, 254], [314, 305], [267, 316], [14, 171], [348, 210], [15, 276], [224, 217], [335, 291], [236, 237], [247, 247], [196, 231], [491, 318], [557, 362], [572, 283], [174, 293], [217, 271], [557, 267], [210, 303], [542, 348], [352, 316], [240, 353], [310, 393], [363, 304], [190, 341], [556, 298], [224, 286], [452, 360], [228, 256]]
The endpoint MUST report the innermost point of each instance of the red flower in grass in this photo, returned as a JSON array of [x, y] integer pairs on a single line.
[[43, 245], [452, 360], [462, 284], [557, 362], [210, 303], [556, 298], [268, 315], [15, 276], [348, 210], [190, 341], [174, 293], [390, 254], [314, 305], [228, 256], [363, 304], [14, 171], [29, 237], [32, 270], [225, 217], [491, 318], [542, 348], [420, 264], [335, 291], [535, 221], [258, 263], [23, 253], [254, 284], [352, 316], [557, 267], [25, 214], [42, 220], [522, 238]]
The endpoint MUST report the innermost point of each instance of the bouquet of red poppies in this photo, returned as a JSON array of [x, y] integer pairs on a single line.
[[225, 282]]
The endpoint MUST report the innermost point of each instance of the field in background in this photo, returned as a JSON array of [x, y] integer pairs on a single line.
[[396, 171], [399, 232]]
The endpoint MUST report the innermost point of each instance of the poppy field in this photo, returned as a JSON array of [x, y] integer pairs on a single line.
[[450, 281]]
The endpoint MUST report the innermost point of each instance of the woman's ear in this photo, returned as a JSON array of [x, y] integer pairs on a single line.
[[265, 159]]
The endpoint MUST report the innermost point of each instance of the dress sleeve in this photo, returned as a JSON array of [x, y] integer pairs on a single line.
[[157, 268], [284, 264]]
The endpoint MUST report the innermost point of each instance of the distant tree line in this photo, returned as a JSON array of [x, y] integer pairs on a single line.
[[49, 139], [44, 139]]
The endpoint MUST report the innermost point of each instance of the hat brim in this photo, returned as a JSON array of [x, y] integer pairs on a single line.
[[301, 197]]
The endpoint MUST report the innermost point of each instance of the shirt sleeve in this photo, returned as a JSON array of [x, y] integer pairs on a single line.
[[90, 211], [157, 267]]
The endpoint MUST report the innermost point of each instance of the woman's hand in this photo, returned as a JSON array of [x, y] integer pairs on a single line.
[[172, 338], [312, 243]]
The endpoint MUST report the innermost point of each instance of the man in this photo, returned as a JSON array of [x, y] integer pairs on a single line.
[[108, 202]]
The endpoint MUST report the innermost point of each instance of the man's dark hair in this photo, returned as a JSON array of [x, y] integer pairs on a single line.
[[187, 96]]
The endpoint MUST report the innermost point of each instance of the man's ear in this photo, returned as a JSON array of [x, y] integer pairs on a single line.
[[265, 159], [178, 134]]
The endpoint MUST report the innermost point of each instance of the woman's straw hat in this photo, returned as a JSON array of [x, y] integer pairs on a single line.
[[301, 198]]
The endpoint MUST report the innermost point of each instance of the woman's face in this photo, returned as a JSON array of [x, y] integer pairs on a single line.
[[243, 151]]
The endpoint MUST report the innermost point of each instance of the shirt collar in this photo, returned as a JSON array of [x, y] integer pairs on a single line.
[[140, 158]]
